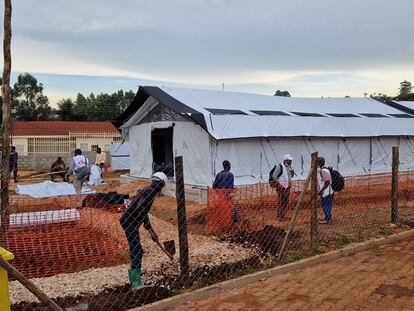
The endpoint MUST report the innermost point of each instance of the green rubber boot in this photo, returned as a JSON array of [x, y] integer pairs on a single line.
[[135, 278]]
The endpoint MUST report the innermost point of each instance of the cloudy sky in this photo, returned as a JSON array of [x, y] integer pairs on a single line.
[[310, 48]]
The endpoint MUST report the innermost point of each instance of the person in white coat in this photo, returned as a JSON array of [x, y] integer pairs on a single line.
[[79, 167], [95, 178], [281, 179]]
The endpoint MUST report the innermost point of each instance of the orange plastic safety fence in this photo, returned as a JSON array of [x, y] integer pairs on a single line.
[[257, 203], [50, 236]]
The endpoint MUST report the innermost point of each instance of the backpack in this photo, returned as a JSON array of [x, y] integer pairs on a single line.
[[273, 170], [338, 181]]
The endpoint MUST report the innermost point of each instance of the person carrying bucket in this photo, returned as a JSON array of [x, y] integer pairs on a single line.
[[134, 216]]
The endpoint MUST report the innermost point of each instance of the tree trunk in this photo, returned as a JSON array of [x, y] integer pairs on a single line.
[[6, 124]]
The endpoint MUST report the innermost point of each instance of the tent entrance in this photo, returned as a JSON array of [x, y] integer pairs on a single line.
[[162, 151]]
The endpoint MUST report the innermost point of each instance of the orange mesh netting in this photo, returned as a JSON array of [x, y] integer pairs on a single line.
[[50, 236], [362, 194]]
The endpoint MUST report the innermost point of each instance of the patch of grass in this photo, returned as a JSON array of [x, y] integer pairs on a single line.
[[344, 239], [385, 230], [295, 256], [176, 291], [316, 249]]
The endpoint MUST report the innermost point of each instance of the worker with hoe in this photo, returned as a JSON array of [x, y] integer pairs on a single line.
[[134, 216], [58, 167]]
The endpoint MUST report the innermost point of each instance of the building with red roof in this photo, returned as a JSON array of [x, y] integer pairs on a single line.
[[40, 142]]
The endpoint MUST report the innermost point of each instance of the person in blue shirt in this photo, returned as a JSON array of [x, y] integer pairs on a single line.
[[225, 180]]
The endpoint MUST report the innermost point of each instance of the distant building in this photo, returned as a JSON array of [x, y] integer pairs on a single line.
[[40, 142]]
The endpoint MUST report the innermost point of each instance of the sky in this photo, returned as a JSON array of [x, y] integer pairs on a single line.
[[309, 48]]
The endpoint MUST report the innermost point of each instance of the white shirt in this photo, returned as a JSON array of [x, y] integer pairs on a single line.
[[325, 175], [79, 161]]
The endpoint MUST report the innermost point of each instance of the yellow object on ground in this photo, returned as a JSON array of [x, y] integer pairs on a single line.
[[4, 282]]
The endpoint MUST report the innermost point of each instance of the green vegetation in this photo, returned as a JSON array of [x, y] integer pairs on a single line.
[[30, 104]]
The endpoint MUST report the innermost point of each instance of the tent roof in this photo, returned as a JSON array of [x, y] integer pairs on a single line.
[[407, 105], [230, 115]]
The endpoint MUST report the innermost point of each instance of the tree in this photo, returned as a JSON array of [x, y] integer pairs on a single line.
[[28, 99], [81, 108], [381, 97], [66, 109], [282, 93], [405, 88]]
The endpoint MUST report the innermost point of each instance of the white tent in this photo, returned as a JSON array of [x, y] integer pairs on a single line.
[[355, 135], [406, 106], [120, 156]]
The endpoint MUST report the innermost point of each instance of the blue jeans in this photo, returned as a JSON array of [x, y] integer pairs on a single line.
[[135, 247], [326, 204]]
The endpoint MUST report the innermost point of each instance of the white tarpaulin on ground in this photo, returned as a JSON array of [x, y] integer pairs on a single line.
[[49, 189], [120, 156]]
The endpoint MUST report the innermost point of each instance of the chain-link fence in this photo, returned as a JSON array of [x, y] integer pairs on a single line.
[[112, 251]]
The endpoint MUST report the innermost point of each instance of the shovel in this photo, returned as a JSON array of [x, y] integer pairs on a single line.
[[168, 248]]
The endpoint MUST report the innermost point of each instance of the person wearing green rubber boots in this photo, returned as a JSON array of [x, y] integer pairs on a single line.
[[136, 215]]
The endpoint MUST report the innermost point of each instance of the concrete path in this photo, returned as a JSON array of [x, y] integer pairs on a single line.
[[379, 279]]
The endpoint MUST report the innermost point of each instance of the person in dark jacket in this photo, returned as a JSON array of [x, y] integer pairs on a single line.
[[136, 215], [225, 180], [14, 158]]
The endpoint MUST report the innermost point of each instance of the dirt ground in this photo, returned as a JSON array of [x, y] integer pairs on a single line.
[[380, 279]]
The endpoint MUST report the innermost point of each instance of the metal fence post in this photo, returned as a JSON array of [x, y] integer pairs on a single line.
[[394, 185], [181, 218]]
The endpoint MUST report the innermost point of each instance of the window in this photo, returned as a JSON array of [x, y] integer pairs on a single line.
[[224, 111], [269, 113], [94, 147], [45, 145], [307, 114], [343, 115], [374, 115], [83, 146]]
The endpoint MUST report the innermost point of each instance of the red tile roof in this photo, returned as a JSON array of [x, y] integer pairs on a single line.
[[40, 128]]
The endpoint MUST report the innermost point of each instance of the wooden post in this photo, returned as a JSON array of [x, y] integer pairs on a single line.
[[314, 202], [296, 211], [6, 122], [181, 218], [12, 271], [394, 185]]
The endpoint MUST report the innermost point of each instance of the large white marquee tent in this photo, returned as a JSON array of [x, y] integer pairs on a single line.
[[253, 132]]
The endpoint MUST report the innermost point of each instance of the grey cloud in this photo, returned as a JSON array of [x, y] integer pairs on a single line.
[[214, 36]]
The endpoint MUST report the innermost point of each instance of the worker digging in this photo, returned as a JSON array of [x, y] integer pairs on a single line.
[[134, 216]]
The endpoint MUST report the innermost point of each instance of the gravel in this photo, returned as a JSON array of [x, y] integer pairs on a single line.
[[204, 251]]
